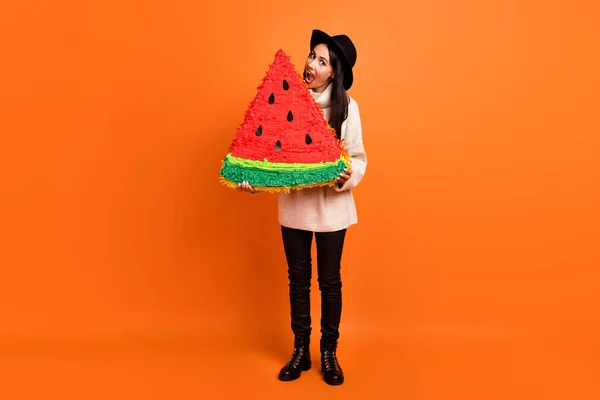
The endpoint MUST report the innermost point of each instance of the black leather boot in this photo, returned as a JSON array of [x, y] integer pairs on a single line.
[[300, 361], [332, 372]]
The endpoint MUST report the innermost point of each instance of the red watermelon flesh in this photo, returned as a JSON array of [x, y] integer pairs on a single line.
[[283, 124]]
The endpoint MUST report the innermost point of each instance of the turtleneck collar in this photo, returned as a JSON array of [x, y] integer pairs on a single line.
[[323, 99]]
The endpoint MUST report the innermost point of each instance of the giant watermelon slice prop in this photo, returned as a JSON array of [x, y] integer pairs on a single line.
[[284, 142]]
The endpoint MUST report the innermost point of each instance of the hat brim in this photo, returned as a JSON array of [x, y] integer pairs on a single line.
[[319, 37]]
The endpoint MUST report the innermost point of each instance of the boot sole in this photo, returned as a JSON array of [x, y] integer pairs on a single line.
[[334, 383], [293, 378]]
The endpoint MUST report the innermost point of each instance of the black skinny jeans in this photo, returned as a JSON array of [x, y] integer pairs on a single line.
[[297, 245]]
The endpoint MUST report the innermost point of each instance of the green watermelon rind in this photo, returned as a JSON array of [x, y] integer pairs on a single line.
[[291, 176]]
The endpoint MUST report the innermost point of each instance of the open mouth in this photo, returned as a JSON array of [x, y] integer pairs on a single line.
[[309, 77]]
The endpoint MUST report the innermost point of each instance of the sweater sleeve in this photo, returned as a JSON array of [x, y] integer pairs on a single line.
[[353, 144]]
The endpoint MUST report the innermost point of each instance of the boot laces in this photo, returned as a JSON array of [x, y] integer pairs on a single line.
[[330, 360], [296, 357]]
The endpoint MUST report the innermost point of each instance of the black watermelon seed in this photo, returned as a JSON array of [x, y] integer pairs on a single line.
[[271, 98], [308, 139], [286, 86], [259, 130], [290, 116], [278, 146]]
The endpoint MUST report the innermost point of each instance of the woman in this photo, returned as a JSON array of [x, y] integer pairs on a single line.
[[326, 212]]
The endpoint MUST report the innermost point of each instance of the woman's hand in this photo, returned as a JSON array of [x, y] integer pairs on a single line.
[[344, 176], [245, 187]]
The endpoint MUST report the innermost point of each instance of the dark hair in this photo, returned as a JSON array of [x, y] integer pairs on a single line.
[[339, 98]]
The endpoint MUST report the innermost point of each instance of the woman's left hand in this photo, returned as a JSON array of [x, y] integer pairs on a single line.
[[344, 176]]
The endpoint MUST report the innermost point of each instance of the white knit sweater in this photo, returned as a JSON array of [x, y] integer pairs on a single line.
[[328, 209]]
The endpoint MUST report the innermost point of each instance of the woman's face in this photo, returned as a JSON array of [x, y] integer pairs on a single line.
[[318, 71]]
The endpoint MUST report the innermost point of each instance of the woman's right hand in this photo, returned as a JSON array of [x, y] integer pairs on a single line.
[[245, 187]]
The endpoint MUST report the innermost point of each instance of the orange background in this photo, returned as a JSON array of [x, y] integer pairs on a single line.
[[129, 272]]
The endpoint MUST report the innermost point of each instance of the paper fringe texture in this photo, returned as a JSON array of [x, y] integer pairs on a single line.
[[284, 143]]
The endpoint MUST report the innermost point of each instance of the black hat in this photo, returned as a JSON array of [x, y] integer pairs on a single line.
[[343, 47]]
